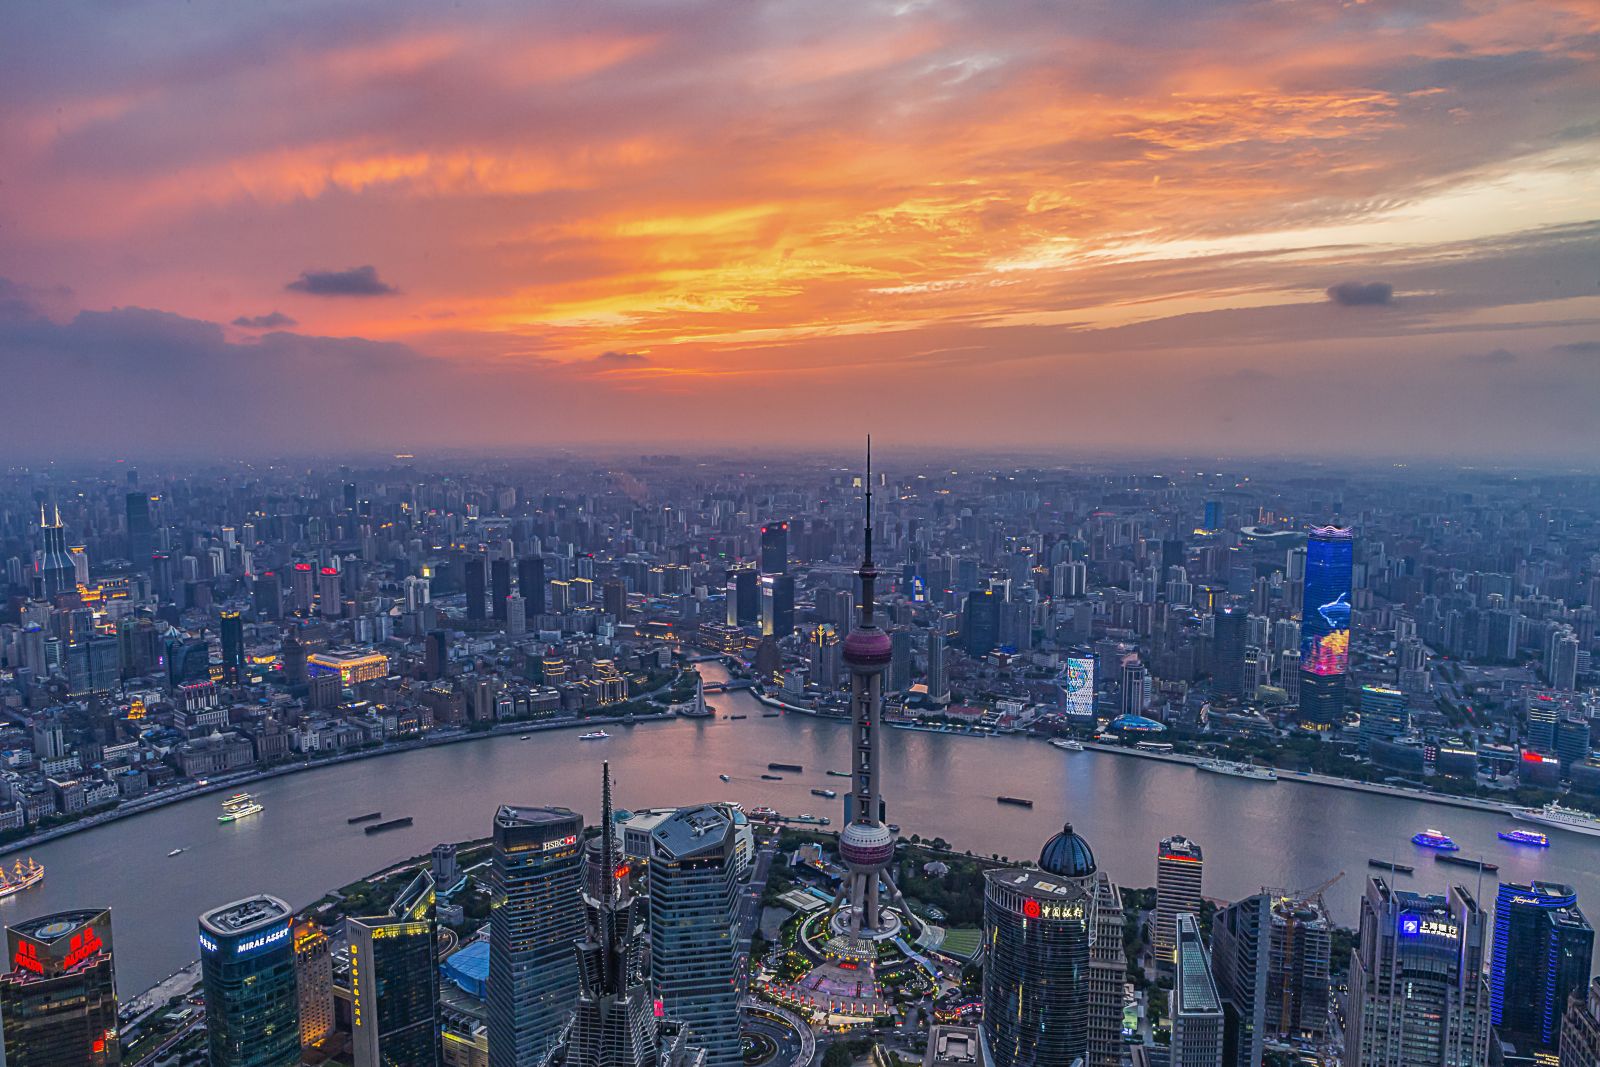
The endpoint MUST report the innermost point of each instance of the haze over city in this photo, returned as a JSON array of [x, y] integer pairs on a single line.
[[1290, 228]]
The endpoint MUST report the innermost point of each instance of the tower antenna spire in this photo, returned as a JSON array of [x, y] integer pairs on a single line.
[[869, 570], [869, 500]]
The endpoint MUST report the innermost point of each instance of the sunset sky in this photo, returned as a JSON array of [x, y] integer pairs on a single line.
[[1294, 227]]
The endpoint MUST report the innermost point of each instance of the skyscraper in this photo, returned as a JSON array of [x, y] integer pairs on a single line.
[[1179, 865], [900, 660], [232, 632], [267, 597], [744, 597], [530, 583], [313, 975], [1108, 965], [499, 587], [436, 654], [614, 1025], [394, 982], [614, 597], [58, 1003], [694, 912], [476, 583], [141, 538], [1580, 1032], [1227, 643], [1037, 927], [1325, 625], [1298, 969], [1383, 714], [777, 605], [1240, 951], [775, 548], [938, 667], [1196, 1007], [534, 920], [54, 572], [247, 968], [1135, 689], [1417, 994], [980, 624], [1542, 947]]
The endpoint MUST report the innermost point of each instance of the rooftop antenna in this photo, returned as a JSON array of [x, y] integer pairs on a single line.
[[606, 840], [611, 961]]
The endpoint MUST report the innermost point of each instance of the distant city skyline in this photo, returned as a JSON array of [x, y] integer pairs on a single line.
[[1352, 229]]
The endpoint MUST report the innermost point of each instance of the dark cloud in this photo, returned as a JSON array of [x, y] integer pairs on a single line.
[[611, 360], [273, 320], [203, 393], [1579, 348], [357, 281], [1361, 294]]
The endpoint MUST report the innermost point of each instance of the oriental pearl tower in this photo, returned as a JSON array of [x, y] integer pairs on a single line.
[[866, 846]]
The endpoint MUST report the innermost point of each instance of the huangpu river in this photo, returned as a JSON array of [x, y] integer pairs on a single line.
[[1290, 834]]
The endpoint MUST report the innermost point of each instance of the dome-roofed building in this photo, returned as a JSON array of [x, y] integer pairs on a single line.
[[1068, 855]]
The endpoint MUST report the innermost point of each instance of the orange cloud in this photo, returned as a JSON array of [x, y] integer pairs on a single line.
[[739, 191]]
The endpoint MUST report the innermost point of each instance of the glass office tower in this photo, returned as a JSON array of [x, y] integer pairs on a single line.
[[537, 915], [247, 969]]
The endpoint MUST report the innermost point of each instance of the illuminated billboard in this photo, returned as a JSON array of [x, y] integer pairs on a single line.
[[1077, 686], [1325, 624]]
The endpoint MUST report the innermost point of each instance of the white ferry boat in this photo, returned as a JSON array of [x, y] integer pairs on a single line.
[[20, 877], [1553, 814], [597, 735], [1067, 744], [238, 806], [1238, 770]]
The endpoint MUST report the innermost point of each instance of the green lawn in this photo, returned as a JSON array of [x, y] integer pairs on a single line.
[[963, 944]]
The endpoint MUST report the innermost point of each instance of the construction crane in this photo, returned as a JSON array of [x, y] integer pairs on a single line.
[[1317, 890], [1302, 894]]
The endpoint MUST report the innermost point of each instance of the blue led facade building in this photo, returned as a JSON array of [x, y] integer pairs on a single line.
[[1325, 625], [1542, 946], [247, 970]]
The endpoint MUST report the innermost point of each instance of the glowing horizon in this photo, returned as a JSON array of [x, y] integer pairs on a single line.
[[970, 222]]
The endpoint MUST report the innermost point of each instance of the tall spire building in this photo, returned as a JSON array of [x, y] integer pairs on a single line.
[[54, 572], [614, 1025], [867, 845]]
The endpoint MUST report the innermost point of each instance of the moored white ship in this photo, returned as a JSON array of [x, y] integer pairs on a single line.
[[20, 877], [1238, 770], [1563, 818], [238, 806]]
